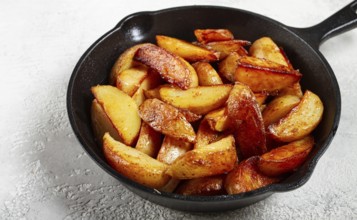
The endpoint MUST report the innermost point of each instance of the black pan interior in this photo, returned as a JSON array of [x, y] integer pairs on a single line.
[[95, 64]]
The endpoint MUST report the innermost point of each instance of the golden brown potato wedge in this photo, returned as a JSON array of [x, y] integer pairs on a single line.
[[190, 116], [186, 50], [205, 135], [228, 66], [208, 35], [199, 100], [166, 119], [121, 110], [246, 177], [218, 119], [171, 149], [247, 121], [192, 73], [278, 108], [260, 97], [129, 80], [125, 61], [263, 75], [294, 89], [226, 47], [204, 186], [216, 158], [101, 123], [149, 141], [207, 75], [168, 65], [287, 158], [300, 121], [171, 185], [134, 164], [266, 48]]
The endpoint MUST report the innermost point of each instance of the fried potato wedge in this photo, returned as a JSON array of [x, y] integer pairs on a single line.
[[207, 35], [278, 108], [246, 177], [266, 48], [125, 61], [171, 149], [204, 186], [226, 47], [168, 65], [205, 135], [300, 121], [207, 75], [125, 117], [216, 158], [166, 119], [134, 164], [129, 80], [199, 100], [263, 75], [228, 66], [294, 89], [247, 121], [287, 158], [192, 73], [218, 119], [101, 123], [260, 97], [190, 116], [149, 141], [186, 50]]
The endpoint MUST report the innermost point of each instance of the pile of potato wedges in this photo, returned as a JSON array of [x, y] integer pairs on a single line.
[[215, 116]]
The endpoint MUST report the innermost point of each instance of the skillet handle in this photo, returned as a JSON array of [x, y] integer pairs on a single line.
[[338, 23]]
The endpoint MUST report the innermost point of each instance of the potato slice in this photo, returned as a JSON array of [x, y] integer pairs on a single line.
[[207, 75], [247, 121], [186, 50], [263, 75], [300, 121], [125, 61], [199, 100], [149, 141], [101, 123], [121, 110], [266, 48], [216, 158], [228, 66], [134, 164], [278, 108], [204, 186], [218, 119], [192, 73], [129, 80], [287, 158], [166, 119], [246, 177], [226, 47], [208, 35], [171, 149], [294, 89], [205, 135], [168, 65]]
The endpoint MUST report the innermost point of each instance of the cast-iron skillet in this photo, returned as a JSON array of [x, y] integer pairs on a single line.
[[300, 44]]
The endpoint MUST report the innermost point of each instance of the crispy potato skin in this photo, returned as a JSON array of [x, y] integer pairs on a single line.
[[263, 75], [246, 118], [166, 119], [204, 186], [208, 35], [246, 177], [216, 158], [134, 164], [300, 121], [287, 158], [169, 65]]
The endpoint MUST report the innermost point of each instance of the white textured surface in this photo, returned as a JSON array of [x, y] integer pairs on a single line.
[[44, 171]]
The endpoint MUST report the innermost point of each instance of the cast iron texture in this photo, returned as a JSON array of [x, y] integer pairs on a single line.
[[300, 44]]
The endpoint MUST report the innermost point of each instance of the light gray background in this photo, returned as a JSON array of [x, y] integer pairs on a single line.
[[44, 172]]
